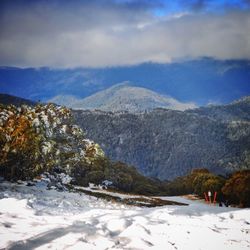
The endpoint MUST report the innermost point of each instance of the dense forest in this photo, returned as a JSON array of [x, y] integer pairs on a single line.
[[166, 144]]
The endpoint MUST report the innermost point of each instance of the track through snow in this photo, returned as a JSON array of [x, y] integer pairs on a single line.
[[35, 218]]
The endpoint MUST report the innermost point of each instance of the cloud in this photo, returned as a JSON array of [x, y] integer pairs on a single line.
[[110, 33]]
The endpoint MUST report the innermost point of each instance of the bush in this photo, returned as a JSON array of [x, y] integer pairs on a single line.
[[95, 177], [124, 182], [237, 188], [208, 182], [146, 188], [198, 181]]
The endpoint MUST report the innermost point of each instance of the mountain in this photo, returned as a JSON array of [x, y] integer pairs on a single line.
[[9, 99], [165, 143], [123, 97], [169, 143], [201, 81], [43, 141]]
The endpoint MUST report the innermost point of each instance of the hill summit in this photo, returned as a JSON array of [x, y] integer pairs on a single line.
[[123, 97]]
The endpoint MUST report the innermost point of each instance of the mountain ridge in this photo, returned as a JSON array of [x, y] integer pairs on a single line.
[[202, 81], [167, 143], [123, 97], [15, 100]]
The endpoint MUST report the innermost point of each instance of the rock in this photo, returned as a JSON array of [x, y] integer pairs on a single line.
[[30, 183]]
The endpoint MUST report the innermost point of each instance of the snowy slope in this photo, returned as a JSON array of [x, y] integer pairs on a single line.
[[35, 218], [123, 97]]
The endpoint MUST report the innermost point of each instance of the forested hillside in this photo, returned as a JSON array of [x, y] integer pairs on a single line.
[[44, 140], [166, 143]]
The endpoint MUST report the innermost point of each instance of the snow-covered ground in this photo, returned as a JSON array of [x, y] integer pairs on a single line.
[[36, 218]]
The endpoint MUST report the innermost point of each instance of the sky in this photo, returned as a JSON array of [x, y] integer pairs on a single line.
[[101, 33]]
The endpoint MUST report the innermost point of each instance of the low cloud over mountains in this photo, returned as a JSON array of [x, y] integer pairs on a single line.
[[110, 33]]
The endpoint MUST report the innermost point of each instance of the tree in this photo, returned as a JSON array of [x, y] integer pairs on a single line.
[[237, 188], [204, 182], [19, 144], [95, 177], [37, 139]]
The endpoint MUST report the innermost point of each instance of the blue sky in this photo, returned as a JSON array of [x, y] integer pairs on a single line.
[[100, 33], [217, 6]]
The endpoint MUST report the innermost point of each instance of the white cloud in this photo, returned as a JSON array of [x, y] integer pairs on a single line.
[[108, 35]]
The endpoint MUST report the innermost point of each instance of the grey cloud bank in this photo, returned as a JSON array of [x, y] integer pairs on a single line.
[[99, 35]]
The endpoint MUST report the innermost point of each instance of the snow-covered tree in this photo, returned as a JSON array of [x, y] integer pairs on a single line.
[[37, 139]]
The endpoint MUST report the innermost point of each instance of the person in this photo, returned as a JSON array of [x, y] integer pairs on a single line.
[[209, 196]]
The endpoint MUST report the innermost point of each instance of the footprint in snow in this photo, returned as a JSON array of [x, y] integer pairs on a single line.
[[150, 244], [146, 230], [8, 224], [116, 226]]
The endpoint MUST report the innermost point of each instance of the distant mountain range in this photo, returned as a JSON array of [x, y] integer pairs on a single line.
[[123, 97], [200, 81], [9, 99]]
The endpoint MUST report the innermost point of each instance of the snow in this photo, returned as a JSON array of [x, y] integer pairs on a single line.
[[36, 218], [36, 122], [65, 179], [45, 120], [63, 129], [46, 147], [101, 189]]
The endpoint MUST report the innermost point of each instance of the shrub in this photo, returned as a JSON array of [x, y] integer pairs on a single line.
[[237, 188], [95, 177]]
